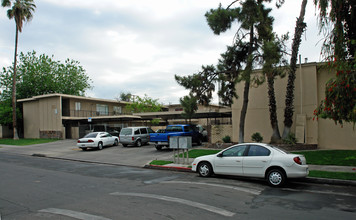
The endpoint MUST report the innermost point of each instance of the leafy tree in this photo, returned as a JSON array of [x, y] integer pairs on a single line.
[[190, 106], [144, 104], [38, 75], [21, 11], [125, 96], [237, 62], [337, 22], [289, 101]]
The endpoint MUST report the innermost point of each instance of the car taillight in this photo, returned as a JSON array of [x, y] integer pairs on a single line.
[[297, 160], [90, 140], [78, 141], [133, 138]]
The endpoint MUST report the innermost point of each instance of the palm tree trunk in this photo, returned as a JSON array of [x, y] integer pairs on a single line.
[[276, 136], [248, 70], [14, 124], [289, 102]]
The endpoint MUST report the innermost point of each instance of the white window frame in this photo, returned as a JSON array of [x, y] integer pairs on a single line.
[[102, 109], [77, 106]]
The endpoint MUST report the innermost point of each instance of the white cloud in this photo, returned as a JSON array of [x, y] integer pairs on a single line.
[[138, 45]]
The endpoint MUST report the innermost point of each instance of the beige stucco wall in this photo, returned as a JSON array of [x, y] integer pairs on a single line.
[[50, 112], [332, 136], [41, 116], [31, 119], [309, 90]]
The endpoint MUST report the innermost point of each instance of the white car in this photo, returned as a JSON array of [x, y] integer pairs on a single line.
[[253, 160], [97, 140]]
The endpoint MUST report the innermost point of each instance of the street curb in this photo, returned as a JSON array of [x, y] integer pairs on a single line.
[[173, 168]]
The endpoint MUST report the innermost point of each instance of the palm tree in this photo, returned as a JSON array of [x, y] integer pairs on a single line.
[[289, 101], [21, 11]]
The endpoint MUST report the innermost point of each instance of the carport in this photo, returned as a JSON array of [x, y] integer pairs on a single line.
[[210, 116], [79, 126]]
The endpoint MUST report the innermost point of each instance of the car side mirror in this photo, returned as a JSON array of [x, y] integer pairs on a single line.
[[220, 155]]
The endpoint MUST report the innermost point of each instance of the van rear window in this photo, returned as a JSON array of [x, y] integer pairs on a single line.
[[126, 131]]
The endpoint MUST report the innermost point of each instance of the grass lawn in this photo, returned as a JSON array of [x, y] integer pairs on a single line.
[[330, 157], [160, 162], [194, 153], [332, 175], [23, 142]]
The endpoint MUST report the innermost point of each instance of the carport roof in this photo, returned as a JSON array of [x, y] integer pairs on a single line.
[[222, 113]]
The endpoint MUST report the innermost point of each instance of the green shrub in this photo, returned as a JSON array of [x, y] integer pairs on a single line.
[[227, 139], [291, 139], [257, 137]]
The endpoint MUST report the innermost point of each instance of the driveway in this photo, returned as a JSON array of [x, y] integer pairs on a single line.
[[119, 155]]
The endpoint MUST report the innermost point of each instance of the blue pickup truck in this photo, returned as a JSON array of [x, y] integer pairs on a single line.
[[162, 139]]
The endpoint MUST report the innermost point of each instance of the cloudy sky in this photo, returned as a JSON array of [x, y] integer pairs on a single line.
[[137, 46]]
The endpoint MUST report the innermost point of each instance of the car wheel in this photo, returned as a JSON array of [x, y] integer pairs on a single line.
[[276, 177], [205, 169], [138, 143], [84, 148], [158, 147], [116, 142], [100, 145]]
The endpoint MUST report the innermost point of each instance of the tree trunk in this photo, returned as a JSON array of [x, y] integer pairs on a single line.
[[247, 76], [276, 136], [243, 112], [14, 124], [289, 102]]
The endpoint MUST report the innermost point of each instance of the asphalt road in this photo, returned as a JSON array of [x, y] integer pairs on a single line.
[[119, 155], [47, 188]]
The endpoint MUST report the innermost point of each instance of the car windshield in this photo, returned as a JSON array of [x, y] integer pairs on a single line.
[[91, 135], [126, 131]]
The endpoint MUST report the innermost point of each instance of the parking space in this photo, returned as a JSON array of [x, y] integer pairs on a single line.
[[118, 155]]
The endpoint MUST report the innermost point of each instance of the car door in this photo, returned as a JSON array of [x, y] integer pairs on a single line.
[[144, 135], [256, 161], [111, 139], [105, 139], [230, 161]]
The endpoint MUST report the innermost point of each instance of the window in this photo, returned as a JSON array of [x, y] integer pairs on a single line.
[[102, 109], [174, 129], [258, 151], [143, 130], [137, 131], [117, 110], [237, 151], [126, 131], [77, 106]]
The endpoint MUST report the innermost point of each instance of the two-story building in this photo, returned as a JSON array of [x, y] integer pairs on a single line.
[[67, 116]]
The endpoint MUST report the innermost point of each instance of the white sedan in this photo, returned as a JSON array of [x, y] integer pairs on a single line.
[[253, 160], [97, 140]]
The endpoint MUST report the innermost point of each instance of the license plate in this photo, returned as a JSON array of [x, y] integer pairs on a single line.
[[83, 145]]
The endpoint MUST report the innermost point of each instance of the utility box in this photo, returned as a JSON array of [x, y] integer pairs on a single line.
[[180, 142]]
